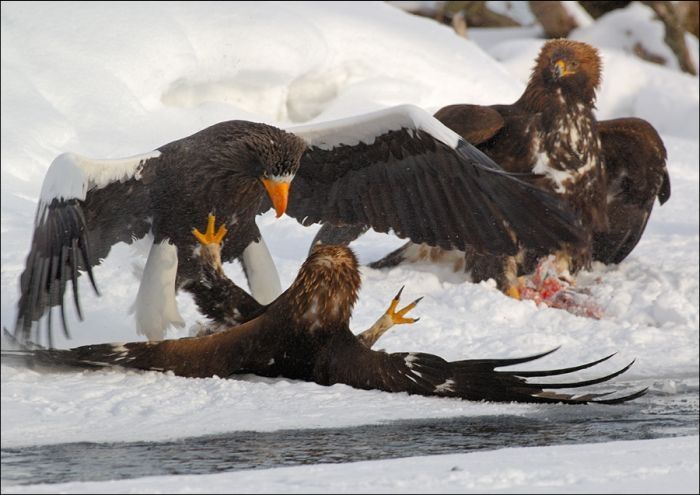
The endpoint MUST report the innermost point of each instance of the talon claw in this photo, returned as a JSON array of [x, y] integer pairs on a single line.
[[514, 292], [409, 307], [211, 237], [397, 317]]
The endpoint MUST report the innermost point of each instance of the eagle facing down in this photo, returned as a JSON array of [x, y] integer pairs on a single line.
[[609, 172], [87, 206], [304, 334], [397, 169]]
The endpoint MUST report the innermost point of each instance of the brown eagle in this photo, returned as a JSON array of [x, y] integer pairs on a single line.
[[397, 169], [609, 172], [304, 335], [227, 305]]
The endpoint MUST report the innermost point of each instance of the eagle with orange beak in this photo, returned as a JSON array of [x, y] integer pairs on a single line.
[[397, 170]]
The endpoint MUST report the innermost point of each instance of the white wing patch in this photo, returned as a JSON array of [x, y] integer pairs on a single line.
[[447, 386], [366, 128], [72, 176], [121, 353], [409, 359], [155, 307]]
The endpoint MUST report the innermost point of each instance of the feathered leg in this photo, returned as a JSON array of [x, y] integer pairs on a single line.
[[390, 318]]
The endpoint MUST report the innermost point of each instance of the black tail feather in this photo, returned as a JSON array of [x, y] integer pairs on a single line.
[[582, 383], [625, 398], [498, 363], [561, 371], [479, 379]]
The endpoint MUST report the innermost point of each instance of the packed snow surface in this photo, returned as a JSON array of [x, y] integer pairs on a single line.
[[106, 81]]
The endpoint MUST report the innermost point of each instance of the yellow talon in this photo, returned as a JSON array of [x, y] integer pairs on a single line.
[[397, 317], [211, 237], [516, 289], [513, 292]]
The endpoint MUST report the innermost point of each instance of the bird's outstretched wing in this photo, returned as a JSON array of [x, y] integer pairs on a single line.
[[635, 163], [476, 379], [85, 207], [400, 169], [249, 346]]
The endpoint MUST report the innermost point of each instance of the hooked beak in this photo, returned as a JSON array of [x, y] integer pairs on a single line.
[[278, 191], [561, 70]]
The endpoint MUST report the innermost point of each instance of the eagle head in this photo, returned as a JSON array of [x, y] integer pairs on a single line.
[[279, 153], [572, 66], [326, 287], [272, 156]]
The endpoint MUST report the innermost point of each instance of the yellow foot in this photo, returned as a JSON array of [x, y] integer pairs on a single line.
[[513, 292], [516, 290], [397, 317], [209, 237]]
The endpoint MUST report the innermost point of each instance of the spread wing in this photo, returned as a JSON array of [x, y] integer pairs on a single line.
[[85, 207], [400, 169], [476, 379], [635, 162], [475, 123], [246, 347]]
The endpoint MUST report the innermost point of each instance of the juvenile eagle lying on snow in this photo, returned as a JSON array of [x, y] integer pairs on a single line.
[[397, 169], [304, 334], [609, 172]]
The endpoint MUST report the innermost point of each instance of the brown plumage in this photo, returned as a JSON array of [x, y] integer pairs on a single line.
[[550, 134], [608, 172], [227, 305], [635, 162], [305, 335], [617, 167]]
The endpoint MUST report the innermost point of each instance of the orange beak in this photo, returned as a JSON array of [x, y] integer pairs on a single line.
[[278, 192]]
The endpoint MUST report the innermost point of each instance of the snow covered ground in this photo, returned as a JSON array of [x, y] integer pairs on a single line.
[[106, 80]]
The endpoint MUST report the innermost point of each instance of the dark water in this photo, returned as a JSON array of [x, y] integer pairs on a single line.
[[654, 415]]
